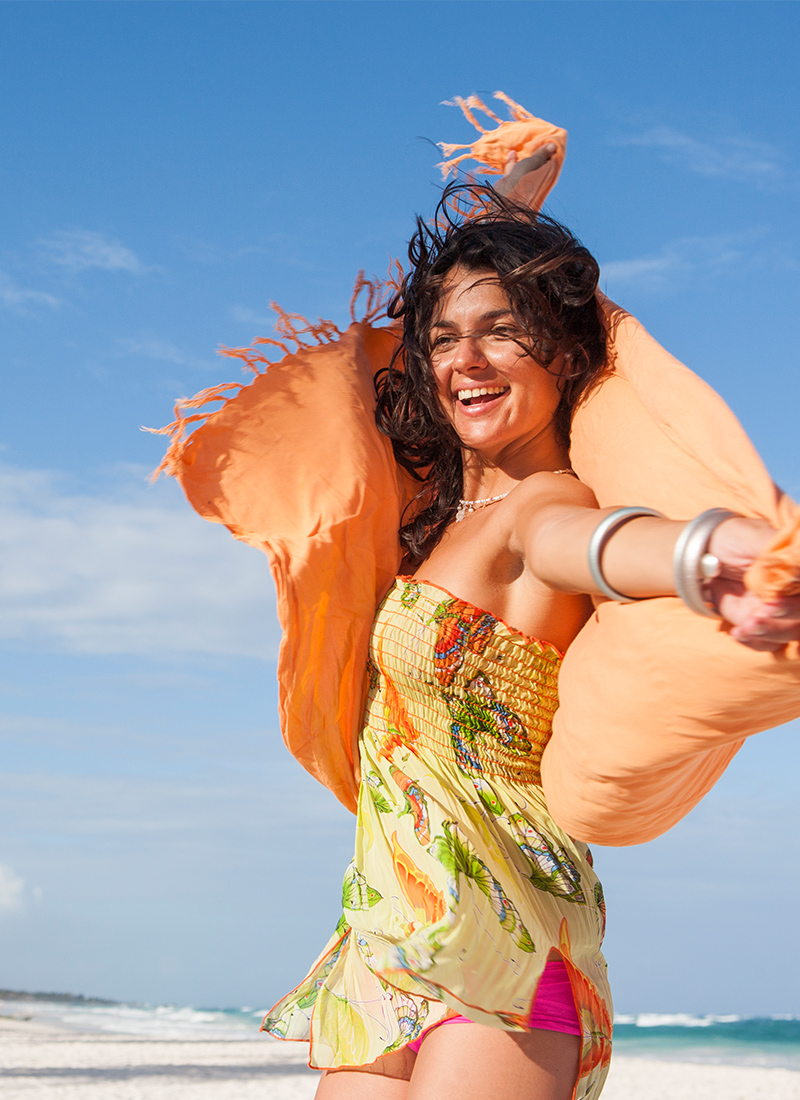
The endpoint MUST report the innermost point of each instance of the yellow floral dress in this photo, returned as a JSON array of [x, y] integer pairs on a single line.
[[462, 885]]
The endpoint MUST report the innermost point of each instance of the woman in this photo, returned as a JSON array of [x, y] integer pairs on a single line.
[[465, 902]]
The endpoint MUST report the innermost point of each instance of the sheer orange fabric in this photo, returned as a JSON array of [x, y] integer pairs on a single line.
[[654, 700]]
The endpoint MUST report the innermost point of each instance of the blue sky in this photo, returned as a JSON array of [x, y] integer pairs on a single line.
[[168, 169]]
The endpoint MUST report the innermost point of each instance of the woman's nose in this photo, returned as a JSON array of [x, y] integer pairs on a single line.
[[469, 353]]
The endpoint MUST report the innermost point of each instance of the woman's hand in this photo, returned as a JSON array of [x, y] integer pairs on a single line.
[[522, 179], [759, 625]]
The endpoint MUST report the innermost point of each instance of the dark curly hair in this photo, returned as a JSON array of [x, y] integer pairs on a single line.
[[550, 280]]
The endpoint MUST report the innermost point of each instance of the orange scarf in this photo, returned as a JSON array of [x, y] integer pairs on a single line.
[[655, 701]]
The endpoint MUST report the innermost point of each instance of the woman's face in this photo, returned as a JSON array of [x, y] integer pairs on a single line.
[[496, 396]]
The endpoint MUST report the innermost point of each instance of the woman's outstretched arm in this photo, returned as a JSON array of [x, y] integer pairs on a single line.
[[554, 528]]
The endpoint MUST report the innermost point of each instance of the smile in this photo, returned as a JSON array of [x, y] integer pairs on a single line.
[[481, 395]]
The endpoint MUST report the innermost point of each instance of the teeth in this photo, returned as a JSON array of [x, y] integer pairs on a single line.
[[484, 391]]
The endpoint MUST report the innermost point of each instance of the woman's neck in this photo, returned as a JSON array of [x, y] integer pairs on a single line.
[[484, 478]]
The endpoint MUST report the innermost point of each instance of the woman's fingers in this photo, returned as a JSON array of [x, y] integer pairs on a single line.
[[774, 625], [517, 170], [757, 624]]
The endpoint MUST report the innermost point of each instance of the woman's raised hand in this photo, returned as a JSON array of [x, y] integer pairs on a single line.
[[523, 179]]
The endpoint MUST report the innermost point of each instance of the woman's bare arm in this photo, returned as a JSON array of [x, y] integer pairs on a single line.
[[554, 526]]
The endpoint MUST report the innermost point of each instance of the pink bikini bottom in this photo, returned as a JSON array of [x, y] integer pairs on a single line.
[[553, 1009]]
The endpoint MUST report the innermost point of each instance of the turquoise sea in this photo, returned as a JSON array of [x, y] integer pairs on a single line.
[[727, 1040]]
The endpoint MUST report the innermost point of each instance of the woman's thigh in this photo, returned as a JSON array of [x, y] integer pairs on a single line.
[[386, 1079], [474, 1062], [466, 1062]]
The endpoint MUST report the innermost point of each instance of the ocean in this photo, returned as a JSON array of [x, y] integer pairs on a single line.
[[721, 1040]]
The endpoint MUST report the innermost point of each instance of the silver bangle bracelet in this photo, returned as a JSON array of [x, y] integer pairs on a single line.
[[692, 564], [600, 536]]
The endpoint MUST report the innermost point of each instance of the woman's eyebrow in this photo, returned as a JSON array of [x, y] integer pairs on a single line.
[[492, 315]]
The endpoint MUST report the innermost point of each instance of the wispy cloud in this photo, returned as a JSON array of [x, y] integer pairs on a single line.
[[163, 351], [82, 249], [13, 297], [688, 256], [98, 575], [247, 316], [738, 158], [11, 890], [207, 252], [648, 268]]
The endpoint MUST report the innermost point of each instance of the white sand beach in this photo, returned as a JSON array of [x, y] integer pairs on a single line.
[[42, 1062]]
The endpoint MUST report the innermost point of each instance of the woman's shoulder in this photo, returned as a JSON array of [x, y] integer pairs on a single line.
[[549, 486]]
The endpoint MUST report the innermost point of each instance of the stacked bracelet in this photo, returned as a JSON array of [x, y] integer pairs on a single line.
[[693, 564], [600, 536]]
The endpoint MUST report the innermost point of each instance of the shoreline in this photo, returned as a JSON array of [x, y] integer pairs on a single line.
[[41, 1060]]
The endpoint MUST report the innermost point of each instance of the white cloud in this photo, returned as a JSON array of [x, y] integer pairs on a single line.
[[736, 158], [215, 252], [163, 351], [103, 575], [678, 260], [15, 298], [81, 249], [76, 806], [247, 316], [647, 267], [11, 889]]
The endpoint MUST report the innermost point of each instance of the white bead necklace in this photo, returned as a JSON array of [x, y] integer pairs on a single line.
[[467, 507]]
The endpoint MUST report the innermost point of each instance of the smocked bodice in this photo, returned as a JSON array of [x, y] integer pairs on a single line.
[[451, 676]]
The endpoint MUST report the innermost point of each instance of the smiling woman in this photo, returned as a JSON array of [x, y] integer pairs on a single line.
[[502, 337], [466, 901]]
